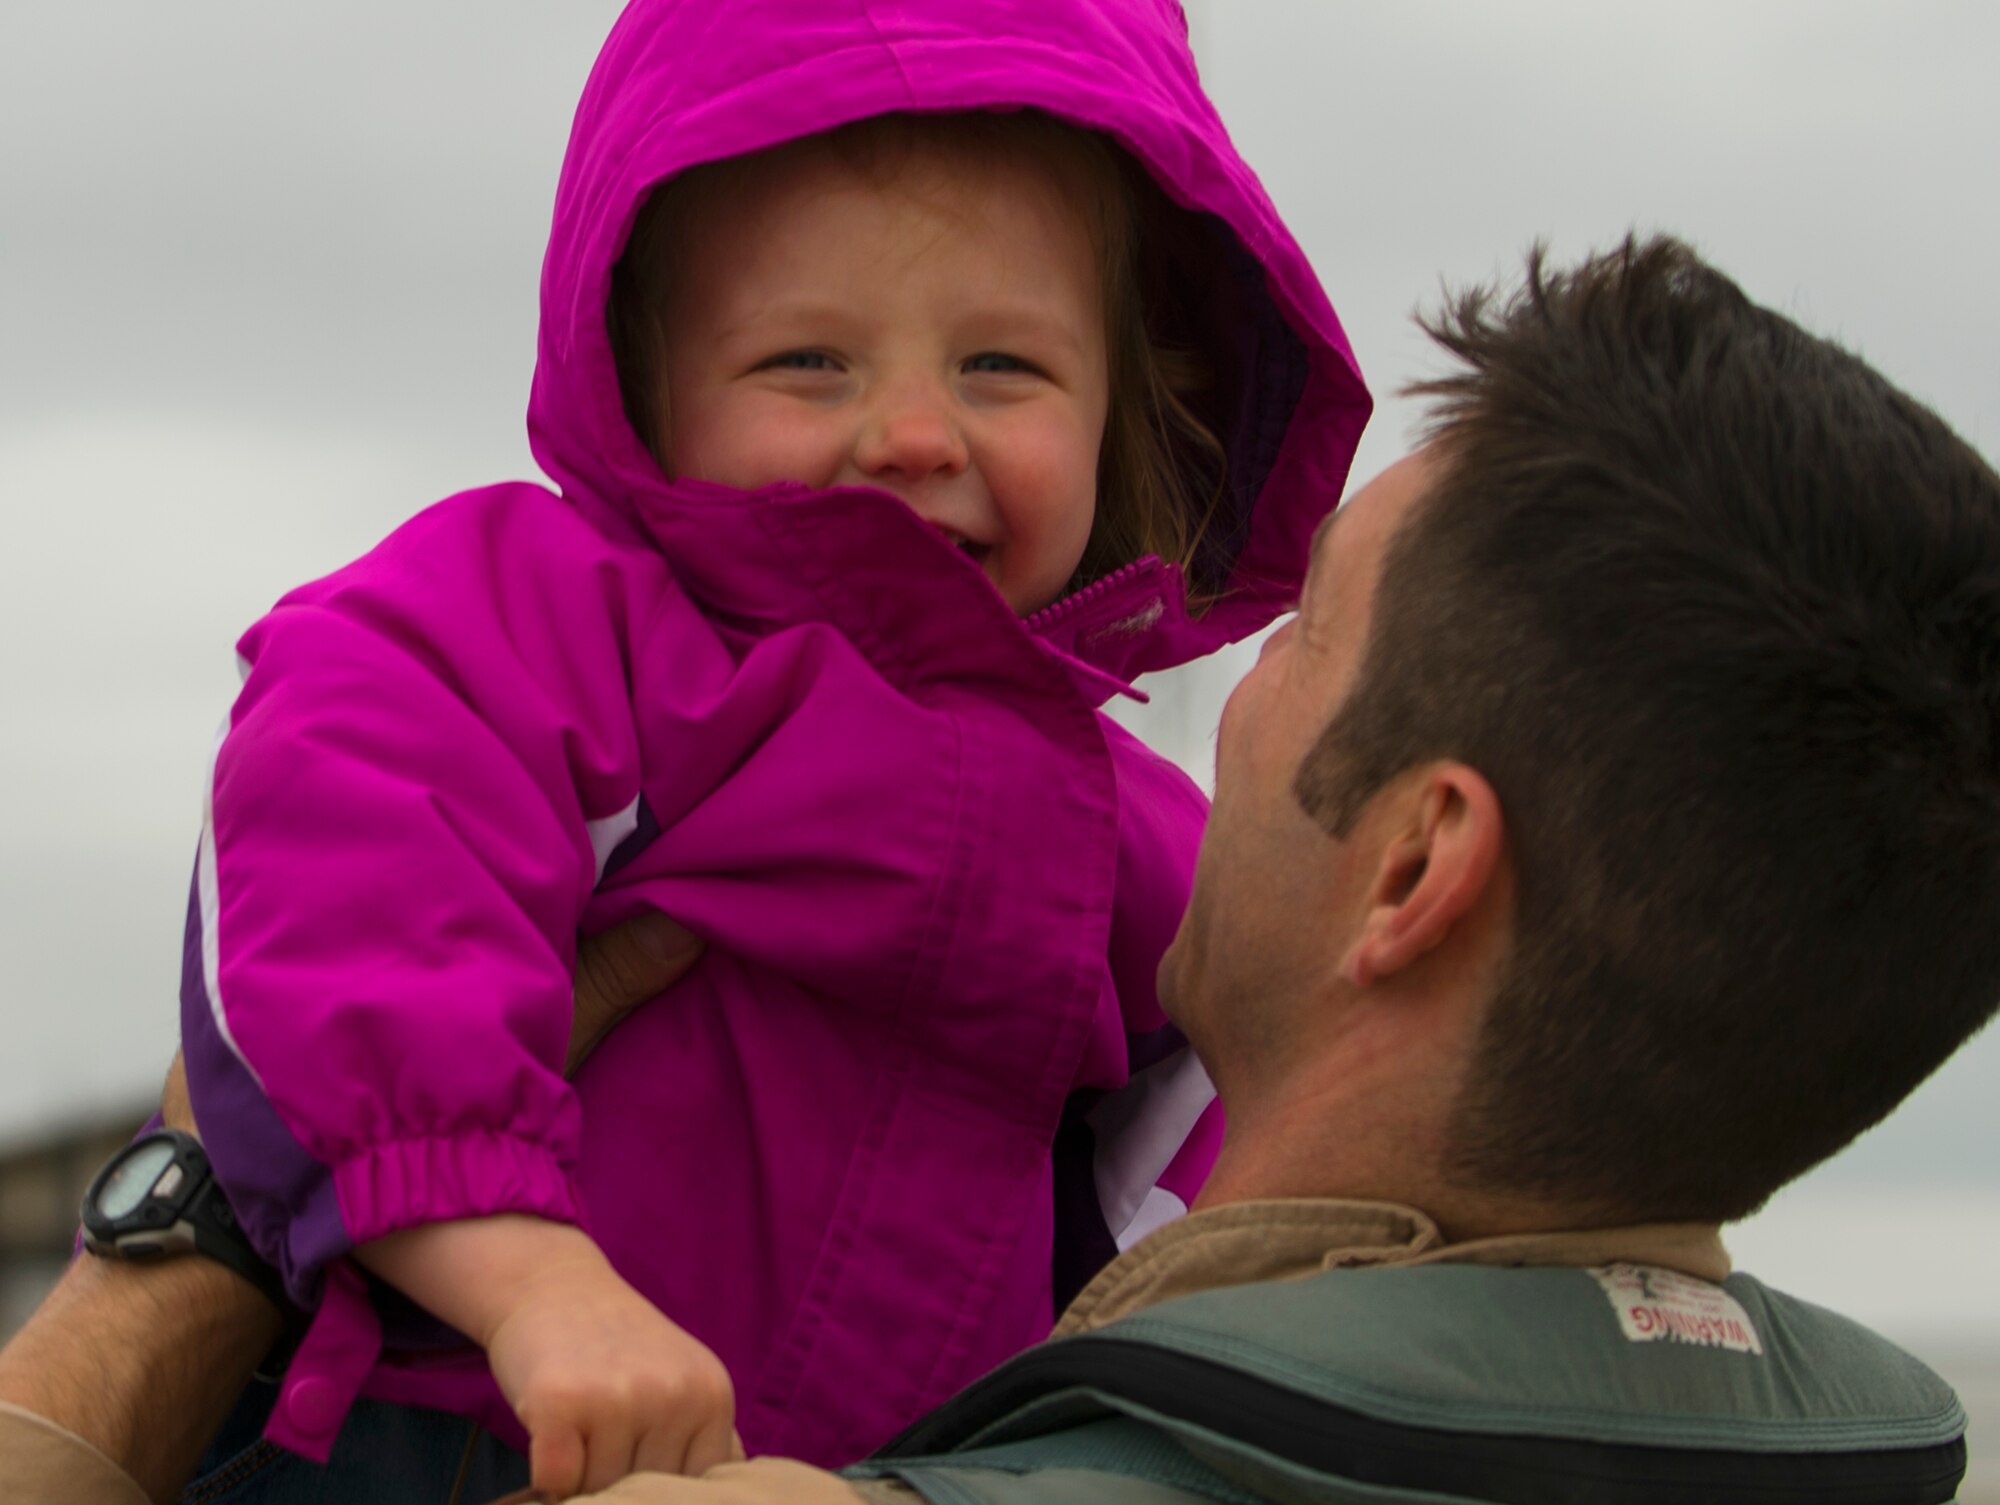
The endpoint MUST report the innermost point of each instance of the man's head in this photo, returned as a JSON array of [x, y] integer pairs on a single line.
[[1711, 614]]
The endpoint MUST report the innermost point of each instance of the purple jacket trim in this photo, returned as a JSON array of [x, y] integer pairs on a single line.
[[283, 1198]]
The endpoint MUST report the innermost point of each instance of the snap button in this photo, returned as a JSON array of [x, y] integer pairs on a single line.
[[313, 1406]]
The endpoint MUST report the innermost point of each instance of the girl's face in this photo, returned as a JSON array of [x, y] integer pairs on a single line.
[[936, 331]]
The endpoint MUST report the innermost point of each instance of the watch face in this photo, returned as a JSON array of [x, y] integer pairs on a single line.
[[133, 1177]]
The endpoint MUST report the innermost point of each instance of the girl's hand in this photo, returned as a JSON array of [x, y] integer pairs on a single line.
[[602, 1381], [605, 1384]]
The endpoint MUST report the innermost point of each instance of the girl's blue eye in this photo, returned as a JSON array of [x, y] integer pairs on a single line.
[[800, 360], [993, 360]]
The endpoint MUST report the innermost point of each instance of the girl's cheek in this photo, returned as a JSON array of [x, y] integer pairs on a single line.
[[1055, 455], [1031, 490], [782, 447]]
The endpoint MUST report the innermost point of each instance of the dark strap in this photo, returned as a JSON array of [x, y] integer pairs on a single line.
[[1346, 1444]]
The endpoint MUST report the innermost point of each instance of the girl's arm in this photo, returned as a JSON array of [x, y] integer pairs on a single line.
[[474, 1273], [603, 1382], [418, 790]]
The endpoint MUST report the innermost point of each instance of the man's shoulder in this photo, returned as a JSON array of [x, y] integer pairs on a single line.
[[1620, 1351], [1481, 1381]]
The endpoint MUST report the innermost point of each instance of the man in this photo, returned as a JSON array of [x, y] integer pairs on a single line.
[[1614, 834]]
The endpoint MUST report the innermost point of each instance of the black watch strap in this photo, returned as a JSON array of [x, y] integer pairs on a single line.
[[218, 1235], [157, 1197]]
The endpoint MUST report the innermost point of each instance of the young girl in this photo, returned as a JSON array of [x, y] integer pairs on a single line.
[[904, 373]]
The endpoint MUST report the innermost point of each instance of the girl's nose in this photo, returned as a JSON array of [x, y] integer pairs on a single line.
[[911, 436]]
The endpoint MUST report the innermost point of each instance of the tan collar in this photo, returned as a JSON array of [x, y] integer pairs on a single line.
[[1246, 1242]]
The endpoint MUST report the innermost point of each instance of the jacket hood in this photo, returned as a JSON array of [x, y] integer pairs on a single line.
[[683, 82]]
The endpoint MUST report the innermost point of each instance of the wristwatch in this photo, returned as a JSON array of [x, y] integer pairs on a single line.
[[159, 1197]]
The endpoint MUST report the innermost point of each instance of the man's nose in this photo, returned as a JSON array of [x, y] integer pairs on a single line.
[[911, 434]]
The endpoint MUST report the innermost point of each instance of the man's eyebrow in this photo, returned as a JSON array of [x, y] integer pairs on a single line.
[[1319, 534], [1314, 549]]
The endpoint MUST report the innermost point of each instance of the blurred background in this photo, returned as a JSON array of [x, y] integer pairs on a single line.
[[268, 285]]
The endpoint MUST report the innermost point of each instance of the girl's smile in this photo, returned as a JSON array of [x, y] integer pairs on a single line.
[[933, 327]]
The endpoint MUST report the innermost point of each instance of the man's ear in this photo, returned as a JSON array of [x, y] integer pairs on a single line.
[[1443, 847]]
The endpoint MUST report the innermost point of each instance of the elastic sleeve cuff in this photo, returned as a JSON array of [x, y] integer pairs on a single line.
[[406, 1183]]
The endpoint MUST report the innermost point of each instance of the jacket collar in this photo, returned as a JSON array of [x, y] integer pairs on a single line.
[[860, 561], [1248, 1242]]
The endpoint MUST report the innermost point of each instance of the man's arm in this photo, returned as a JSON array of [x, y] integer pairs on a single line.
[[143, 1362]]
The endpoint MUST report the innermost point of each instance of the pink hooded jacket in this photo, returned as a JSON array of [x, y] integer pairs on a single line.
[[920, 1084]]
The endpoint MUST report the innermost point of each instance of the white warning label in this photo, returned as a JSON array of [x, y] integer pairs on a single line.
[[1665, 1306]]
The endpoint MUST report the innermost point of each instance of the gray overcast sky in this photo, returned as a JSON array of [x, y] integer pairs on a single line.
[[267, 285]]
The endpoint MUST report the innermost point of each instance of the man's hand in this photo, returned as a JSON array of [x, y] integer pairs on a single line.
[[761, 1481], [622, 968], [616, 971], [176, 1112]]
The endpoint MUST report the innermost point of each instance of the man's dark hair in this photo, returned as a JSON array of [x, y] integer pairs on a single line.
[[1716, 610]]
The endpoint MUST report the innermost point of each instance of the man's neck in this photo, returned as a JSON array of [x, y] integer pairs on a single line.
[[1363, 1145]]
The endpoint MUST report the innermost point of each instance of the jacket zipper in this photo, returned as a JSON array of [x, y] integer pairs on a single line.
[[1056, 613]]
